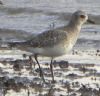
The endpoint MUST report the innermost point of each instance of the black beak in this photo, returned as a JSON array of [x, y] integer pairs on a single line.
[[90, 21]]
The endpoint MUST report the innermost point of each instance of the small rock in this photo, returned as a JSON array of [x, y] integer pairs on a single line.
[[63, 64]]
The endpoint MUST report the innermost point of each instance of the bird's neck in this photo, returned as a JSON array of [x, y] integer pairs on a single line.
[[74, 27], [73, 30]]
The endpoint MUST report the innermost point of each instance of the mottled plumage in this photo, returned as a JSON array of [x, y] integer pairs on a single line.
[[48, 39]]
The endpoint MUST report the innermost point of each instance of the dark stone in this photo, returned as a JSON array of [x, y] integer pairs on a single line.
[[63, 64]]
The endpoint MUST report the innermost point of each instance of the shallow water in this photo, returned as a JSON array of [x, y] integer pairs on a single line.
[[36, 16]]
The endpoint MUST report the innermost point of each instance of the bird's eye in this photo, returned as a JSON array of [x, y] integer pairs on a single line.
[[82, 16]]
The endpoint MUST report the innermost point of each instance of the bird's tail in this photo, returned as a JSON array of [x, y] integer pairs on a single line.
[[18, 45]]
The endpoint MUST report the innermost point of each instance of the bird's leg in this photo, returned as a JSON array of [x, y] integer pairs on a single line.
[[41, 72], [51, 69], [31, 62]]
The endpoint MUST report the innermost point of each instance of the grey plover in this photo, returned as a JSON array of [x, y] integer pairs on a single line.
[[55, 42]]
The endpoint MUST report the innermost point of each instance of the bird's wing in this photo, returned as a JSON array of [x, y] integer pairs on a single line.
[[48, 38]]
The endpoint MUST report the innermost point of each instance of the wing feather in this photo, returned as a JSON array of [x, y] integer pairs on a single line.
[[48, 38]]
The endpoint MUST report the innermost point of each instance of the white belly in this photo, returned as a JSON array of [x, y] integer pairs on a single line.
[[55, 51]]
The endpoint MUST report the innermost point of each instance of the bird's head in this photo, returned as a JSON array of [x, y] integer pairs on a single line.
[[80, 17]]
